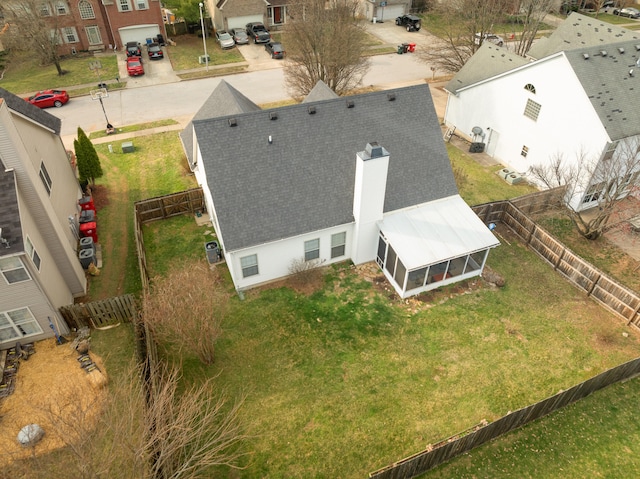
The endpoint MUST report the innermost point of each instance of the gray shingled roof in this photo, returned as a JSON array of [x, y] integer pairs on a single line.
[[25, 108], [613, 92], [319, 92], [488, 61], [304, 180], [580, 31], [9, 214], [225, 100]]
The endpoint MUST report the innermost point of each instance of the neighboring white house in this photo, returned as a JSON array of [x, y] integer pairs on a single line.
[[365, 178], [39, 196], [581, 103]]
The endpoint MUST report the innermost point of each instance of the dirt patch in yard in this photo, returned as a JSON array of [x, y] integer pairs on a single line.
[[50, 380]]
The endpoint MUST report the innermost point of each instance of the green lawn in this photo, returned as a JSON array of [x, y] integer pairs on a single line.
[[349, 379], [157, 167], [24, 74], [184, 55]]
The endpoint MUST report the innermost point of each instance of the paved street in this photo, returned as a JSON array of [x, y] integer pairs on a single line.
[[146, 99]]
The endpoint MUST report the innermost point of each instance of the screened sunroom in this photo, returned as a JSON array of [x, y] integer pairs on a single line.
[[433, 245]]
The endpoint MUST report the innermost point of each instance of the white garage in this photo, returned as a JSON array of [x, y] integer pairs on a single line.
[[138, 33], [390, 12], [240, 22]]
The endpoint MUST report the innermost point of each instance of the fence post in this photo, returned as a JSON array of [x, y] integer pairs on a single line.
[[593, 286]]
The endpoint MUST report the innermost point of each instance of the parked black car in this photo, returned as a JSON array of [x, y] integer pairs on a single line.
[[133, 49], [410, 22], [275, 49], [154, 51], [258, 32]]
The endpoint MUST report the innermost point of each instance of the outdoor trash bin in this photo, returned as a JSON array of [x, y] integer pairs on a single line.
[[86, 203], [412, 47], [400, 49], [89, 229], [213, 252], [87, 216], [405, 47]]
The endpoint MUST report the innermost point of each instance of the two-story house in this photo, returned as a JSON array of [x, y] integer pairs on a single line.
[[39, 266]]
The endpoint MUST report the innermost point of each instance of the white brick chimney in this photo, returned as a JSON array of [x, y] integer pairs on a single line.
[[372, 165]]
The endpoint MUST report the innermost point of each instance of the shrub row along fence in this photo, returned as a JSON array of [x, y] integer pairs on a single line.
[[614, 296], [451, 447], [100, 314]]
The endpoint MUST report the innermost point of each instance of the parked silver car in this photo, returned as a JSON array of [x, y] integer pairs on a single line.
[[224, 39], [240, 36], [489, 37]]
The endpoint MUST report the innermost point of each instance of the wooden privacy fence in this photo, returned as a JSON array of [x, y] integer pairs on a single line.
[[449, 448], [614, 296], [100, 314], [162, 207]]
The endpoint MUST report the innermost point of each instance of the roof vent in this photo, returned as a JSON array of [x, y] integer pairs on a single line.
[[621, 50], [585, 56], [637, 47], [233, 122], [373, 150], [270, 139], [631, 72], [603, 53], [391, 96], [350, 104], [273, 115], [311, 110]]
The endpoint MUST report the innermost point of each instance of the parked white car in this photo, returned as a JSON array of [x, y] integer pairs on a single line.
[[489, 37]]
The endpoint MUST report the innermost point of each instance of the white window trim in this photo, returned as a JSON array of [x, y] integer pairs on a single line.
[[69, 32], [86, 10], [21, 267], [312, 249], [96, 29], [144, 3], [122, 3], [342, 237], [61, 8], [33, 254], [17, 327], [247, 263]]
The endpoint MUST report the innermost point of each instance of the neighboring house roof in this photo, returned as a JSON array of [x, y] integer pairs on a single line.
[[610, 76], [274, 178], [579, 31], [488, 61], [225, 100], [34, 113], [9, 214], [319, 92]]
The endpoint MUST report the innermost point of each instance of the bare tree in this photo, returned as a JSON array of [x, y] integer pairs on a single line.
[[325, 41], [34, 27], [602, 184], [185, 309], [531, 17], [465, 23]]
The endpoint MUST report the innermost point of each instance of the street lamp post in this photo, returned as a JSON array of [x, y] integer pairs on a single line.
[[204, 38]]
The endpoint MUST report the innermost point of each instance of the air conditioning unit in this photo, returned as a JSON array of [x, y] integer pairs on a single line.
[[204, 59], [503, 173], [514, 178]]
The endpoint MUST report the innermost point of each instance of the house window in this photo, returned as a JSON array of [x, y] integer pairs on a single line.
[[18, 323], [46, 179], [93, 34], [33, 254], [338, 242], [525, 151], [142, 4], [611, 149], [438, 272], [86, 10], [475, 261], [594, 192], [416, 278], [532, 110], [124, 5], [530, 87], [249, 265], [276, 15], [45, 11], [69, 34], [61, 8], [312, 249], [13, 270]]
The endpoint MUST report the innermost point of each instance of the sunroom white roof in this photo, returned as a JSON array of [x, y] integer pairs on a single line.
[[435, 232]]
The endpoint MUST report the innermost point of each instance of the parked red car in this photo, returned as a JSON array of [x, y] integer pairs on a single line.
[[134, 66], [48, 98]]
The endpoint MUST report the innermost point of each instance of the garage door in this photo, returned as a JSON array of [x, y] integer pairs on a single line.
[[138, 33], [390, 12], [240, 22]]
